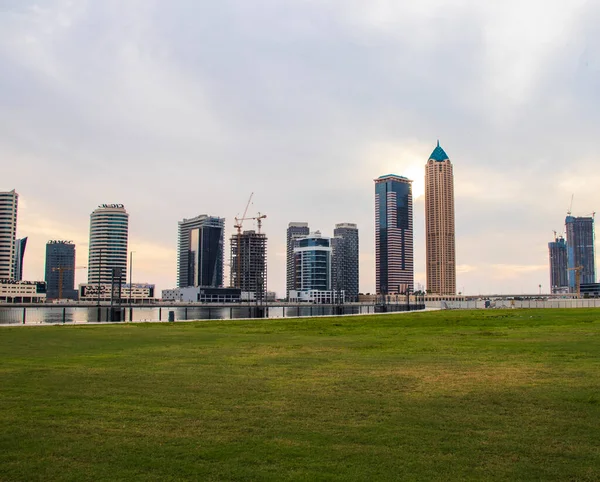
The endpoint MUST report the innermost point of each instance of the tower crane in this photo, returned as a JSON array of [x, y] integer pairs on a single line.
[[61, 270], [570, 205]]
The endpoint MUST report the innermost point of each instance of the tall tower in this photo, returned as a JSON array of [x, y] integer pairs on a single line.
[[580, 249], [345, 250], [439, 224], [312, 255], [394, 262], [109, 232], [20, 246], [8, 233], [250, 249], [200, 251], [60, 254], [295, 231], [557, 251]]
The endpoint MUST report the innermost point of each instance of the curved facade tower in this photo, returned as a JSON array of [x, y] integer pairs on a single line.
[[439, 224], [109, 229]]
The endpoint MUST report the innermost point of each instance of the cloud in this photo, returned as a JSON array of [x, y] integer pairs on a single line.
[[181, 108]]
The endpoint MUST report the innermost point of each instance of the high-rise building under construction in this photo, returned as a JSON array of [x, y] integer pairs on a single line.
[[580, 250], [249, 263], [557, 251]]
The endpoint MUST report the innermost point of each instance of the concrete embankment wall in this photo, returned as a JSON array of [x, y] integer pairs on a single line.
[[481, 304]]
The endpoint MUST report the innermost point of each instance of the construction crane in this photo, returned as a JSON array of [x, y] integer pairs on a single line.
[[238, 225], [578, 270], [570, 206], [61, 270], [259, 217]]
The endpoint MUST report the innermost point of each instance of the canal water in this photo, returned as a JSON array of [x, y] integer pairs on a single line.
[[58, 314]]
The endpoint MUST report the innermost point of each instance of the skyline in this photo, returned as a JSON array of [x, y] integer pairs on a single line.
[[149, 97]]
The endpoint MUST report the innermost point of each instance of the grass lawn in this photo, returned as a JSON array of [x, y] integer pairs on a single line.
[[502, 395]]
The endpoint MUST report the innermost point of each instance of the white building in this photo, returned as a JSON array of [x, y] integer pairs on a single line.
[[12, 291], [137, 293], [317, 296], [109, 230], [200, 294], [8, 233]]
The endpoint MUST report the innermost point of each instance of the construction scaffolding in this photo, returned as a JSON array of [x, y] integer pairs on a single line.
[[249, 253]]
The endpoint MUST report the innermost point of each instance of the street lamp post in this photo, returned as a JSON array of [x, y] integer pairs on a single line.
[[130, 276]]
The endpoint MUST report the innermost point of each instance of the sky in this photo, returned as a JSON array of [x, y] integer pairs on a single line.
[[185, 107]]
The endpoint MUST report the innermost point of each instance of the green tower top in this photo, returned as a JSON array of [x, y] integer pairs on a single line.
[[439, 154]]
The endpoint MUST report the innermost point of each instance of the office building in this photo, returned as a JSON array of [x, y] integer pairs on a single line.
[[109, 231], [313, 262], [136, 293], [12, 291], [557, 251], [344, 246], [8, 233], [199, 294], [295, 231], [580, 250], [60, 270], [200, 252], [439, 224], [394, 263], [20, 246], [249, 263]]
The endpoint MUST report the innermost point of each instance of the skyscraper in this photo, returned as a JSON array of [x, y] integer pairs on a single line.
[[60, 270], [8, 233], [249, 258], [580, 249], [20, 246], [394, 265], [345, 250], [312, 255], [200, 251], [109, 232], [439, 224], [295, 231], [557, 251]]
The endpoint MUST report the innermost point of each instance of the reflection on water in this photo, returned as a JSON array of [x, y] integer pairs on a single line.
[[58, 314]]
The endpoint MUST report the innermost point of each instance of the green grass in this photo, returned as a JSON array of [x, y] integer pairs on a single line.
[[502, 395]]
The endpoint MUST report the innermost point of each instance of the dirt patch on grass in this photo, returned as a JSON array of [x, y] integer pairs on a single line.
[[463, 379]]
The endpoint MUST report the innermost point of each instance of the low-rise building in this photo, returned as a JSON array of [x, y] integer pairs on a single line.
[[317, 296], [136, 293], [590, 290], [12, 291], [201, 294]]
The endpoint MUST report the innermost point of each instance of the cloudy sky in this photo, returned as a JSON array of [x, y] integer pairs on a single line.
[[182, 107]]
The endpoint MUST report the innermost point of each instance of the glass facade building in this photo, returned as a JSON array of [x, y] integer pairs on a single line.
[[200, 252], [109, 232], [20, 246], [394, 262], [60, 257], [557, 251], [295, 231], [580, 250], [313, 263], [345, 250]]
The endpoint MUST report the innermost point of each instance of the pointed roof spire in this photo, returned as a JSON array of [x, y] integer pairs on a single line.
[[439, 154]]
